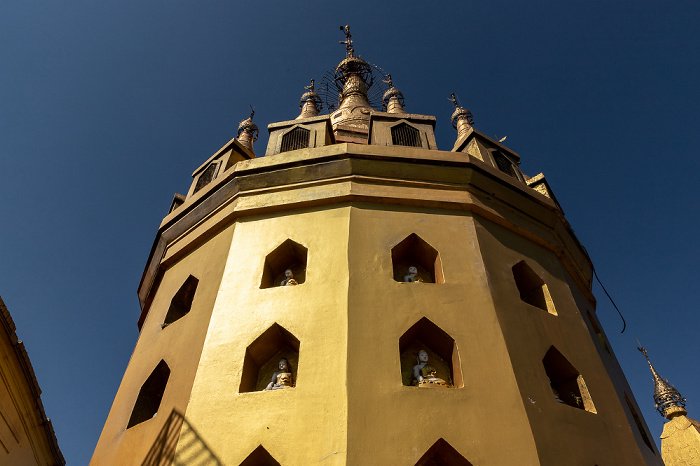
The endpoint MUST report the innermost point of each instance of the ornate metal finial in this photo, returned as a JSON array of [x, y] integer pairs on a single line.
[[667, 400], [462, 119], [392, 101], [248, 131], [310, 103], [349, 50]]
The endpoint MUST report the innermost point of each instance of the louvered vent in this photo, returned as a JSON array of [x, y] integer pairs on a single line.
[[298, 138], [206, 177], [405, 135], [505, 165]]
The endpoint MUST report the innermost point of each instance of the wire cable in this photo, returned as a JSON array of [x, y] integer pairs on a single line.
[[624, 324]]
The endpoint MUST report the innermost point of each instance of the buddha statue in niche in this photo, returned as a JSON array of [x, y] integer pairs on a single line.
[[424, 374], [288, 278], [412, 276], [282, 378]]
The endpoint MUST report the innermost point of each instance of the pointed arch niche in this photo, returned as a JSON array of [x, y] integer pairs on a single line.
[[288, 255], [260, 457], [182, 301], [441, 349], [442, 454], [413, 251], [263, 355], [532, 288], [567, 383], [150, 395]]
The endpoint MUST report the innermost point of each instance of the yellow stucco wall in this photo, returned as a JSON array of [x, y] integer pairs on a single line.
[[349, 206], [178, 344], [300, 425]]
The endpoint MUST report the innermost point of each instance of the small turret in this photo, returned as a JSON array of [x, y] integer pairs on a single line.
[[248, 132], [462, 119], [310, 103], [392, 101]]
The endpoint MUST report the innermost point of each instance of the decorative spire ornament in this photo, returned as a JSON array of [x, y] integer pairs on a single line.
[[462, 119], [392, 101], [668, 401], [310, 103], [248, 131]]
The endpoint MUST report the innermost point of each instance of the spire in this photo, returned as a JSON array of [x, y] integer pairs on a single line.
[[352, 78], [393, 101], [462, 119], [668, 401], [310, 103], [248, 131]]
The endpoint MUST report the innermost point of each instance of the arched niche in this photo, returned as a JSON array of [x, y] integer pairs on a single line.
[[150, 395], [442, 454], [181, 303], [441, 349], [566, 381], [532, 288], [413, 251], [260, 457], [263, 355], [289, 255]]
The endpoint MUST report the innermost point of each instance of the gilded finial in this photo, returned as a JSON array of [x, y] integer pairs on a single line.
[[310, 103], [248, 131], [462, 119], [392, 101], [667, 400], [349, 50]]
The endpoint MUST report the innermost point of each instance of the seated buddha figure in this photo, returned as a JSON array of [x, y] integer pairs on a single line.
[[288, 278], [424, 374], [281, 378], [412, 276]]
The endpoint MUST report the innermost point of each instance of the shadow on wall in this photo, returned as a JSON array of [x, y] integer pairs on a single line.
[[193, 449]]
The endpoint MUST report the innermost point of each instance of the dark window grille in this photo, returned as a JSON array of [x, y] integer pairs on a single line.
[[503, 164], [206, 177], [298, 138], [405, 135]]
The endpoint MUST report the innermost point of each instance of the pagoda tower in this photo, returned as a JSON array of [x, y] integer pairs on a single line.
[[359, 297]]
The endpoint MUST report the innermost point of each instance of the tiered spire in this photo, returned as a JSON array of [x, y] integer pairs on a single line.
[[248, 131], [353, 76], [668, 401], [392, 101], [310, 103], [462, 119]]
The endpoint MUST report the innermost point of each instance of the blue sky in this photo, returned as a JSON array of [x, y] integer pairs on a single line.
[[108, 107]]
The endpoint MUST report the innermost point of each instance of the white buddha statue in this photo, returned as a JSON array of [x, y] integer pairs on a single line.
[[412, 276], [288, 278], [425, 374]]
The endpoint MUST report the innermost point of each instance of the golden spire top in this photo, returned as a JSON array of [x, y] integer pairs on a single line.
[[310, 103], [248, 131], [392, 101], [667, 400], [462, 119], [349, 50]]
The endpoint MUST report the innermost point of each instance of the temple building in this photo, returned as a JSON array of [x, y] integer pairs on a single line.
[[358, 296], [680, 439], [27, 437]]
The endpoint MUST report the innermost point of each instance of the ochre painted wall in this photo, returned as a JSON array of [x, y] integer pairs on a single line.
[[306, 424], [179, 345]]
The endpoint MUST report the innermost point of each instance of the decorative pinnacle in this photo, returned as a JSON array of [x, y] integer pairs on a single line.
[[393, 100], [349, 50], [310, 102], [462, 118], [667, 400]]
